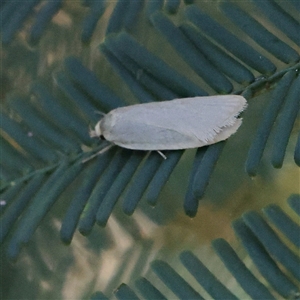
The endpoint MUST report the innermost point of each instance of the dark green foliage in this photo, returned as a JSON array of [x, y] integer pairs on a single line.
[[237, 268], [153, 6], [193, 57], [205, 278], [42, 19], [148, 290], [297, 152], [83, 87], [229, 41], [98, 296], [205, 169], [263, 260], [161, 176], [282, 221], [172, 6], [174, 281], [259, 34], [116, 21], [46, 129], [267, 251], [294, 202], [270, 114], [14, 209], [220, 59], [128, 76], [280, 18], [140, 182], [97, 9], [13, 15], [88, 218], [285, 123], [89, 83], [120, 183], [124, 292], [191, 202], [41, 203], [272, 243], [78, 98], [152, 65], [33, 147]]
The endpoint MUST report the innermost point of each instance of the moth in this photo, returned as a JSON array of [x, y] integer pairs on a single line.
[[172, 125]]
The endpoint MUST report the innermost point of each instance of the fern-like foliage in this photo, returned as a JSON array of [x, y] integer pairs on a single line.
[[44, 131], [273, 257]]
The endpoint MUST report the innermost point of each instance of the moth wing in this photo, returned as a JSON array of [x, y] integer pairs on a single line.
[[133, 135], [205, 117], [176, 124]]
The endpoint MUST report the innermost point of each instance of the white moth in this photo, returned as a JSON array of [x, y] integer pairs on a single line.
[[175, 124]]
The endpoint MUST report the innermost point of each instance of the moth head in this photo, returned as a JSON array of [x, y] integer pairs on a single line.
[[97, 131]]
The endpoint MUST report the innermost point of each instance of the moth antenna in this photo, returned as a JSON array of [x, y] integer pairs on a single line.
[[98, 112], [161, 154], [98, 153]]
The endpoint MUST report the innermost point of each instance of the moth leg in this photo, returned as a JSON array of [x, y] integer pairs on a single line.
[[98, 112], [161, 154], [92, 133], [98, 153]]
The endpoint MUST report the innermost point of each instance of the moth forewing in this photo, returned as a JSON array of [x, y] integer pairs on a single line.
[[172, 125]]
